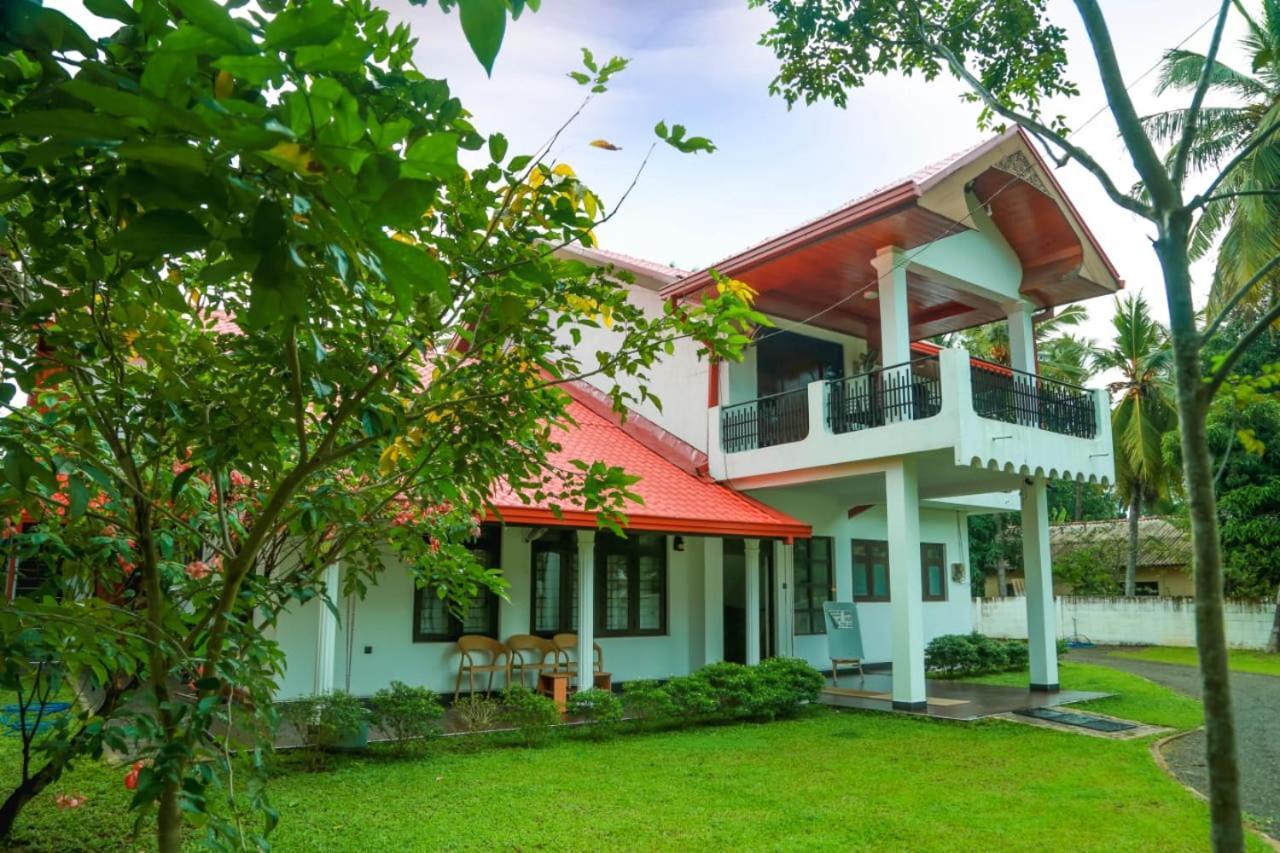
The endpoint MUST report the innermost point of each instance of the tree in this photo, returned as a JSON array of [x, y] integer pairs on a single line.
[[1142, 414], [1011, 56], [268, 323], [1240, 227]]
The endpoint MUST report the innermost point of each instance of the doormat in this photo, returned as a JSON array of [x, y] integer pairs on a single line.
[[1084, 721], [888, 697]]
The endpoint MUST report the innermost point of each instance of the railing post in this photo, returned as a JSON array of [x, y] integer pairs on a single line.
[[816, 400]]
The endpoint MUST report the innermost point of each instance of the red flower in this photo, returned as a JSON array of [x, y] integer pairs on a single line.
[[131, 778], [198, 570]]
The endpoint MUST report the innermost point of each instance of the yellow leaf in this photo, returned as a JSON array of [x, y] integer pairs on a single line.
[[223, 85], [536, 179], [591, 204], [605, 144], [291, 155], [737, 288], [401, 237], [563, 170]]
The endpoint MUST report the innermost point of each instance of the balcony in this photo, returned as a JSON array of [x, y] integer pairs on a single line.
[[991, 419]]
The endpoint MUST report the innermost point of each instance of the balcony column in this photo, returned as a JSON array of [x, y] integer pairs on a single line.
[[895, 333], [713, 599], [1022, 336], [327, 632], [902, 499], [751, 549], [1042, 634], [586, 608]]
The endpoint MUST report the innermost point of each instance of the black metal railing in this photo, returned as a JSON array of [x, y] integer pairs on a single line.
[[1029, 400], [764, 422], [902, 392]]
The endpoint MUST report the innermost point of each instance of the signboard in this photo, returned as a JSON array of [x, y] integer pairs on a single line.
[[844, 634]]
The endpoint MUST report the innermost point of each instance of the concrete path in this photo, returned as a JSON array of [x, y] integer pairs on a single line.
[[1256, 699]]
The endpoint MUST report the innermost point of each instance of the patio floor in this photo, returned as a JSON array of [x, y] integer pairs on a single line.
[[951, 700]]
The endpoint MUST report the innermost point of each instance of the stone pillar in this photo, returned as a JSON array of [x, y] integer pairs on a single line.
[[586, 607], [327, 631], [751, 547], [1042, 633], [713, 599], [902, 499]]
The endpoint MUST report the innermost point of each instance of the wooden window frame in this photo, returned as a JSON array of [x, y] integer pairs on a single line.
[[871, 597], [924, 570], [490, 536], [821, 619], [606, 544], [566, 542]]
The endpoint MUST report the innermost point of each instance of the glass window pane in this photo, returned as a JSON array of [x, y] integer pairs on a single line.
[[936, 584], [880, 580], [650, 583], [616, 593], [802, 622], [433, 617], [478, 619], [860, 580], [547, 578]]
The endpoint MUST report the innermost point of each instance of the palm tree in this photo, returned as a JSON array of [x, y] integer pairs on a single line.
[[1245, 220], [1061, 355], [1143, 413]]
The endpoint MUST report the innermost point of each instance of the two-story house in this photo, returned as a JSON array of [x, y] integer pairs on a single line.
[[838, 461]]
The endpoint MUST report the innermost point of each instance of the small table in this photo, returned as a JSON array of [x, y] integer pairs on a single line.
[[556, 685]]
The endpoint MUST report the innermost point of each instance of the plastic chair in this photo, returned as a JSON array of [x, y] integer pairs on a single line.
[[476, 650], [566, 643], [530, 654]]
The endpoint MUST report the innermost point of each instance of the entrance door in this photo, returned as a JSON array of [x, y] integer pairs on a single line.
[[735, 601]]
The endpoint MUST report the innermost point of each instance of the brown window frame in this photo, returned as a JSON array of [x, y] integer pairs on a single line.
[[489, 540], [871, 597], [816, 616], [608, 543], [566, 543], [925, 547]]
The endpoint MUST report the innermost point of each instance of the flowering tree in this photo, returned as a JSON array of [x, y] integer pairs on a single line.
[[268, 321]]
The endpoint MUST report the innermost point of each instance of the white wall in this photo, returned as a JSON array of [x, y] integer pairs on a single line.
[[1125, 621], [830, 518]]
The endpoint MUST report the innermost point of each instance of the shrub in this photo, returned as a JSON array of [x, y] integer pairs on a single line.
[[951, 654], [407, 714], [732, 686], [598, 707], [691, 698], [785, 684], [647, 701], [532, 714], [322, 721], [477, 713], [976, 654]]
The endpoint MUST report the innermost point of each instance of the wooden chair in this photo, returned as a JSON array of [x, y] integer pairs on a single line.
[[566, 643], [481, 654], [530, 654]]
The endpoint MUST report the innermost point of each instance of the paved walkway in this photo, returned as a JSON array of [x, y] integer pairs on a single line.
[[1256, 700]]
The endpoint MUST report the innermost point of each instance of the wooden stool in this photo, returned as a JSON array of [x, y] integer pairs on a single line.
[[555, 685], [603, 681]]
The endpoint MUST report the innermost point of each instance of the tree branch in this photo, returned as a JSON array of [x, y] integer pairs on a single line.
[[1224, 367], [1183, 151], [1241, 155], [1238, 297]]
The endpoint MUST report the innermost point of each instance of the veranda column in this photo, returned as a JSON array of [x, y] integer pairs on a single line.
[[327, 632], [1042, 633], [895, 334], [1022, 341], [902, 499], [586, 607], [751, 548], [713, 599]]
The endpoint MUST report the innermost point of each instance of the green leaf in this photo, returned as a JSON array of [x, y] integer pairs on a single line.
[[66, 124], [165, 69], [404, 203], [409, 271], [213, 18], [497, 147], [29, 25], [164, 154], [661, 129], [314, 23], [255, 70], [180, 481], [346, 55], [111, 100], [117, 9], [79, 495], [484, 23], [434, 155], [162, 232]]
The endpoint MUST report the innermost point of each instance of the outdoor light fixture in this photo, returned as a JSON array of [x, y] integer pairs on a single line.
[[871, 295], [677, 544]]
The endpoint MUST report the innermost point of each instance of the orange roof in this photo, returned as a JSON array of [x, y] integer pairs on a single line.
[[675, 500]]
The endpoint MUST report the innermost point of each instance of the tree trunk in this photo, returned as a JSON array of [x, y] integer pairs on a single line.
[[27, 791], [1079, 510], [1131, 568], [169, 820], [1273, 642], [1193, 405]]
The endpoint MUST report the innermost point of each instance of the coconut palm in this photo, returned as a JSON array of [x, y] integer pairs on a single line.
[[1143, 412], [1245, 219], [1061, 356]]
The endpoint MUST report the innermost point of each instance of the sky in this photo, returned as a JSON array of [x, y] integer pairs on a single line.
[[697, 62]]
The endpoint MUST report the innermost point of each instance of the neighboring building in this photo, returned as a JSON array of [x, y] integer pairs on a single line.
[[805, 473], [1164, 556]]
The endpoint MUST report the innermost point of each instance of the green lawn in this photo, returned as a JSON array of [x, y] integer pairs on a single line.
[[1240, 660], [830, 780]]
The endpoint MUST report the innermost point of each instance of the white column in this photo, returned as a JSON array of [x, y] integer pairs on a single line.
[[902, 498], [751, 547], [1022, 341], [1042, 634], [713, 599], [586, 607], [895, 326], [784, 573], [327, 632]]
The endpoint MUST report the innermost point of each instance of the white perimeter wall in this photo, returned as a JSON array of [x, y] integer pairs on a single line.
[[1126, 621], [830, 518]]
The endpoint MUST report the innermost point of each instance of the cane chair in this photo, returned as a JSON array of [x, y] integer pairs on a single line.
[[530, 654], [480, 654], [567, 654]]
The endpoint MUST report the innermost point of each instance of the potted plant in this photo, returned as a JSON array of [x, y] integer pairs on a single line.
[[343, 722]]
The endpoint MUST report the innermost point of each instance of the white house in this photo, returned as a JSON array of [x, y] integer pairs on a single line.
[[838, 461]]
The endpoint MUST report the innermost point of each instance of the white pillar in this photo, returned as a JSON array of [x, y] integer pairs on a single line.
[[784, 555], [713, 599], [1042, 634], [895, 326], [1022, 341], [586, 607], [902, 499], [751, 547], [327, 632]]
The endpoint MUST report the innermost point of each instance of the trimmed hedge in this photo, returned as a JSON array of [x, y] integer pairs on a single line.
[[778, 687], [975, 654]]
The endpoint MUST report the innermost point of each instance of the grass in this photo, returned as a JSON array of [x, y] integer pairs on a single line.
[[828, 780], [1239, 660]]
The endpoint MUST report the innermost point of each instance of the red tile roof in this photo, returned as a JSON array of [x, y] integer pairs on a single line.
[[675, 501]]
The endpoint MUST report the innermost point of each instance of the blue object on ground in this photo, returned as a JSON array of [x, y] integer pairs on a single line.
[[11, 716]]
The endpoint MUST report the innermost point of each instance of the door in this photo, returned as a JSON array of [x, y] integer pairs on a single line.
[[735, 601]]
